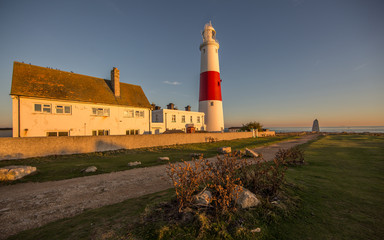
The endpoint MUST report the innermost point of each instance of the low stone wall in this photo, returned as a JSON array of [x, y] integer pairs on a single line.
[[17, 148]]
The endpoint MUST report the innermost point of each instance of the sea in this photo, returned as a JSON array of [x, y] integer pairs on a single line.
[[357, 129]]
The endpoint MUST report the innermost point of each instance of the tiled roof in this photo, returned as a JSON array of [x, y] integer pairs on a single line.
[[34, 81]]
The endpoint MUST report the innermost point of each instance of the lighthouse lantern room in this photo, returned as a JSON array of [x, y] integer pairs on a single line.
[[210, 101]]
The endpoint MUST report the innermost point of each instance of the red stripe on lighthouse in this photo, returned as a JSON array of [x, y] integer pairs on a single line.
[[210, 86]]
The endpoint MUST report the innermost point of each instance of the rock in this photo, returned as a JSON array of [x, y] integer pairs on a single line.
[[164, 158], [224, 150], [10, 173], [203, 198], [90, 169], [131, 164], [250, 153], [196, 155], [246, 198], [256, 230]]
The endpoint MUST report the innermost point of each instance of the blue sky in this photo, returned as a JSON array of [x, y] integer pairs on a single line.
[[282, 62]]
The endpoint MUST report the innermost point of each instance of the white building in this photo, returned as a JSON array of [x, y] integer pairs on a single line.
[[48, 102], [172, 119]]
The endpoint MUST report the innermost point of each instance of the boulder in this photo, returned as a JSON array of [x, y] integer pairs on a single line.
[[10, 173], [203, 198], [246, 198], [224, 150], [164, 158], [90, 169], [131, 164], [250, 153], [256, 230], [196, 155]]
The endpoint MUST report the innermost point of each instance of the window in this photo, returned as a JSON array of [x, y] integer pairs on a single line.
[[100, 112], [132, 132], [137, 114], [47, 108], [198, 119], [55, 134], [100, 132], [60, 109], [191, 119], [183, 119], [68, 109], [51, 134], [128, 114], [37, 107], [173, 118], [211, 103]]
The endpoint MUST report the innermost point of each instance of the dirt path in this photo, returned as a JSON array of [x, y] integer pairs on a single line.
[[30, 205]]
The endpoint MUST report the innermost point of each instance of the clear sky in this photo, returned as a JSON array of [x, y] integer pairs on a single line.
[[282, 62]]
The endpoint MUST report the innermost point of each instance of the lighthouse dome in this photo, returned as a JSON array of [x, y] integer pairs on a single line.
[[209, 33]]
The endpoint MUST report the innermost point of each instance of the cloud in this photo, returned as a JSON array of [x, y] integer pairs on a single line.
[[360, 67], [172, 83]]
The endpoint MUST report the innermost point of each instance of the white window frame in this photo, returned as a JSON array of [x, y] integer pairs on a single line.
[[129, 113], [183, 118], [173, 118], [63, 108], [100, 112]]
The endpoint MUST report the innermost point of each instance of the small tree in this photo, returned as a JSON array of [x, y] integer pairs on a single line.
[[252, 125]]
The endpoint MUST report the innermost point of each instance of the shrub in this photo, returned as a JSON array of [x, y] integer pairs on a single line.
[[187, 178], [221, 177], [292, 156]]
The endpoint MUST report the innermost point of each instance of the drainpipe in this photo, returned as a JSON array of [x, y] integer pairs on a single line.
[[165, 121], [150, 120], [18, 116]]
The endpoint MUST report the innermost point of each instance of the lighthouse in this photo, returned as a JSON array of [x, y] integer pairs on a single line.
[[210, 101]]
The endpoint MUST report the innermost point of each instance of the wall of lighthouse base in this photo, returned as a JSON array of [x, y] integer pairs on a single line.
[[214, 118]]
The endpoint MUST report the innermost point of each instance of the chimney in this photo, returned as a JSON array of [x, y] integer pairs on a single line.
[[115, 80], [157, 107], [188, 108], [171, 106]]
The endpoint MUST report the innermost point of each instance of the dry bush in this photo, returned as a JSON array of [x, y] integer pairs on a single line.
[[187, 178], [221, 177], [292, 156], [224, 181]]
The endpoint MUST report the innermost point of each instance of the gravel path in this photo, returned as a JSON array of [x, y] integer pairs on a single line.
[[30, 205]]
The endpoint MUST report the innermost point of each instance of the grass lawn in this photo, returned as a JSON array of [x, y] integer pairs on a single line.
[[58, 167], [340, 192]]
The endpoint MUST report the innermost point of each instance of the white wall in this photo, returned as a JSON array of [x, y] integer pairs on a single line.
[[165, 117], [80, 122], [215, 119]]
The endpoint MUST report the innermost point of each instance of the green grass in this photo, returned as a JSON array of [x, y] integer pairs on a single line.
[[341, 191], [339, 194], [61, 167]]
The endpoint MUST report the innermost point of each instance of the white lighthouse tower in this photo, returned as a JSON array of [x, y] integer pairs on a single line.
[[210, 101]]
